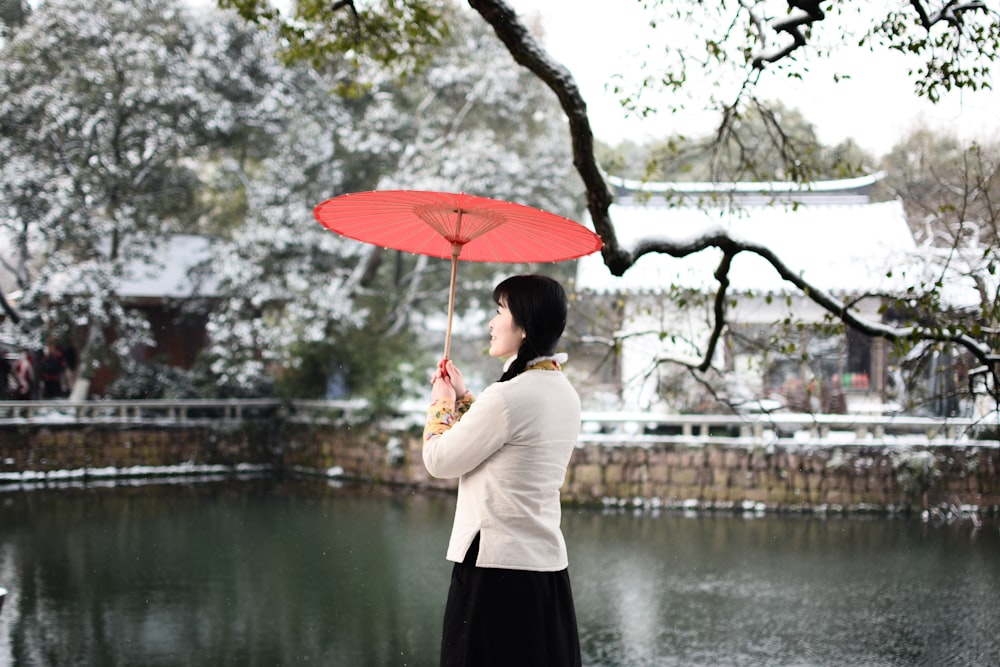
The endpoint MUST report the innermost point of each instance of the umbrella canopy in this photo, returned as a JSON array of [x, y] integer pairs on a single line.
[[430, 223], [456, 226]]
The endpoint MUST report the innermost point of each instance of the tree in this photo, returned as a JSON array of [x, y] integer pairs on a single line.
[[205, 130], [951, 192], [238, 70], [959, 41], [751, 150], [106, 108], [945, 185], [88, 111], [309, 305]]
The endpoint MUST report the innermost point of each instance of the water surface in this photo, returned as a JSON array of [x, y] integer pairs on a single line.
[[304, 573]]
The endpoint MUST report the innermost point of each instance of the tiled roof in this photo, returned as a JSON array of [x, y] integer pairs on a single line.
[[847, 247]]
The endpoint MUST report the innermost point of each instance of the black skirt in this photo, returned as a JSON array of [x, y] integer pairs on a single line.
[[508, 618]]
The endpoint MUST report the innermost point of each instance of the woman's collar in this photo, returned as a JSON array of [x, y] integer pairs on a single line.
[[559, 358]]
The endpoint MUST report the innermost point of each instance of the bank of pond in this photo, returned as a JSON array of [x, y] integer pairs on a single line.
[[815, 469]]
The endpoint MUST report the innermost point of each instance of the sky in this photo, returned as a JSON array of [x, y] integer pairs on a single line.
[[875, 108], [598, 39]]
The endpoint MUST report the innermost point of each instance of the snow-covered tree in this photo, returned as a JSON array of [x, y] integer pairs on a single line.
[[460, 125], [99, 105], [121, 121], [124, 121]]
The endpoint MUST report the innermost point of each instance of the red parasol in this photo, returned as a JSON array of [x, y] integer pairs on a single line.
[[456, 226]]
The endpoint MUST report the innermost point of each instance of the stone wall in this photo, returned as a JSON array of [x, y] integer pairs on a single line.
[[357, 452], [788, 478], [710, 475], [802, 477], [71, 447]]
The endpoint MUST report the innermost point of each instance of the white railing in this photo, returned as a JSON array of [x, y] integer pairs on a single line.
[[611, 428], [335, 413], [646, 428], [151, 411]]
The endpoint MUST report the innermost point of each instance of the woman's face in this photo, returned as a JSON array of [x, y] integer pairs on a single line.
[[505, 336]]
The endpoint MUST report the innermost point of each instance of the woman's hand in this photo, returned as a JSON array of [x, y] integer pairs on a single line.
[[441, 387], [455, 377], [447, 382]]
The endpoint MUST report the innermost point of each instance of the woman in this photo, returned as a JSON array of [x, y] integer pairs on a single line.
[[510, 601]]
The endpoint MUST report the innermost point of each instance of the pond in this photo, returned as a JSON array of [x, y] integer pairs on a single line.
[[271, 572]]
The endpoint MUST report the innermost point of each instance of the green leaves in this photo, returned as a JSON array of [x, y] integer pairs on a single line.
[[401, 37], [958, 45]]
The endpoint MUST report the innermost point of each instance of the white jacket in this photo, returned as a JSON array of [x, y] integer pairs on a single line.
[[510, 452]]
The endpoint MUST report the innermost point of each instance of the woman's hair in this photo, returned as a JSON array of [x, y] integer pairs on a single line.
[[537, 304]]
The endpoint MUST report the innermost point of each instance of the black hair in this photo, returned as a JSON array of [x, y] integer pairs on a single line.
[[537, 304]]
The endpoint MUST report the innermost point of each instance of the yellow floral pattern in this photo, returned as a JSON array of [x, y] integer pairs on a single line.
[[443, 413]]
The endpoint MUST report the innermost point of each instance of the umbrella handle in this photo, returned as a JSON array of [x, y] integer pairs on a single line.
[[456, 250]]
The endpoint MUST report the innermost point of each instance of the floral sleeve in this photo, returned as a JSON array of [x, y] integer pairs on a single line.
[[465, 403], [443, 413]]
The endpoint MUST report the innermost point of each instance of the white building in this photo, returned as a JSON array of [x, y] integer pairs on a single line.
[[830, 233]]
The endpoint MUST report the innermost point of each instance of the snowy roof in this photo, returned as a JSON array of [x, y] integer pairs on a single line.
[[841, 188], [180, 266], [845, 247]]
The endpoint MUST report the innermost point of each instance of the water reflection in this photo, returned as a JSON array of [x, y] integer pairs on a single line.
[[266, 573], [212, 575], [785, 591]]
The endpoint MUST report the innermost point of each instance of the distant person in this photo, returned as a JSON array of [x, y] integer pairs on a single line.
[[510, 602], [71, 359], [53, 371], [24, 376], [6, 376]]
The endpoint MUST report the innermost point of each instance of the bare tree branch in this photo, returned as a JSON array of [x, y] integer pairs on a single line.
[[340, 4], [9, 309], [809, 14], [951, 12], [817, 295], [527, 52], [718, 309]]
